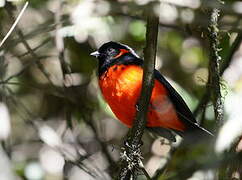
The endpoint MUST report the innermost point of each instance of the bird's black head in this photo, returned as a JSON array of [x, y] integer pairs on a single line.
[[112, 53]]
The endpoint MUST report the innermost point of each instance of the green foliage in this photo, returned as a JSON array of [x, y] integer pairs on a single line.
[[195, 56], [137, 30], [173, 41], [38, 3]]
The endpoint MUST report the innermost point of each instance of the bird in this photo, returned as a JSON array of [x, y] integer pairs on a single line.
[[120, 72]]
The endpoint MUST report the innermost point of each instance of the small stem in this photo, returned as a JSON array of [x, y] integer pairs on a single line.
[[14, 24]]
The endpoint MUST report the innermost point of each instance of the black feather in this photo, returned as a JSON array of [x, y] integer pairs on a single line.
[[182, 110]]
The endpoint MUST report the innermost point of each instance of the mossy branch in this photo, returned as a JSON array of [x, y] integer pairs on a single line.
[[226, 63], [214, 70], [131, 158]]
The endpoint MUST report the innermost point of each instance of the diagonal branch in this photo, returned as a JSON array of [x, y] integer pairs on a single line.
[[132, 153], [14, 24], [26, 45]]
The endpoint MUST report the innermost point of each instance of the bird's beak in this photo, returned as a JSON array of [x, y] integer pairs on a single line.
[[95, 54]]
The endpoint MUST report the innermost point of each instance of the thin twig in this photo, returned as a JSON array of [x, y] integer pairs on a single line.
[[18, 105], [43, 43], [42, 28], [14, 24], [145, 173], [22, 70], [27, 46], [35, 56]]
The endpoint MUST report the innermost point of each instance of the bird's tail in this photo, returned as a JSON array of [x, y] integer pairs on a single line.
[[196, 134], [193, 133]]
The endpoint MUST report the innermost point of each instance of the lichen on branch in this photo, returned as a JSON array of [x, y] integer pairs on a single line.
[[214, 67]]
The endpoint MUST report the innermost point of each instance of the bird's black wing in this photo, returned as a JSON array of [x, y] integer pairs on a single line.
[[176, 99], [182, 109]]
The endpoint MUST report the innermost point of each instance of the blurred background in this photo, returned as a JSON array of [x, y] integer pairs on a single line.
[[54, 123]]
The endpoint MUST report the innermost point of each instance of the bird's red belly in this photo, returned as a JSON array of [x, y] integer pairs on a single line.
[[121, 86]]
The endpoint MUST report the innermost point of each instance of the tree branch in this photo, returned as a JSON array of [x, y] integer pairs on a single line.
[[9, 9], [227, 61], [132, 153], [214, 73]]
